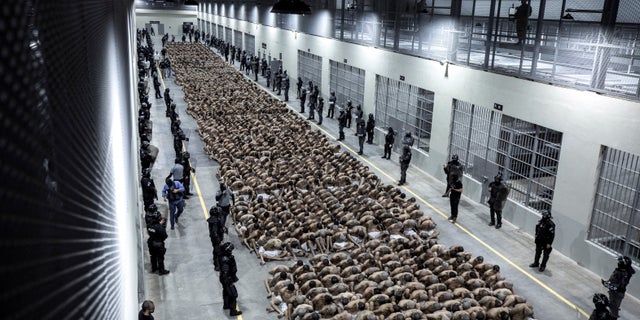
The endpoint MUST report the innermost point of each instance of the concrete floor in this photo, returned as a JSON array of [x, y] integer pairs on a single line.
[[192, 289]]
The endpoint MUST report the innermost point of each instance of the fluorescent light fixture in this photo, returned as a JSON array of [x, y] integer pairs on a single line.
[[291, 7]]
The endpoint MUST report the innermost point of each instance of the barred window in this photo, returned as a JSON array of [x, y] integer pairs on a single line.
[[527, 154], [310, 69], [227, 34], [221, 32], [250, 44], [348, 83], [237, 39], [615, 220], [405, 108]]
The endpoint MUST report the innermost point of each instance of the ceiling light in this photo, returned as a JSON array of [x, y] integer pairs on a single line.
[[291, 7]]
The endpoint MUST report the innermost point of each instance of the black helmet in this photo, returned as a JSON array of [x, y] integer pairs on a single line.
[[214, 211], [624, 261], [498, 177], [600, 299], [227, 247], [151, 208], [454, 157], [546, 214], [168, 181], [186, 155], [145, 144], [152, 217], [146, 172]]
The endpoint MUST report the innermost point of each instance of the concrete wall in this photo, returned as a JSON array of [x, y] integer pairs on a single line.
[[586, 119], [172, 20]]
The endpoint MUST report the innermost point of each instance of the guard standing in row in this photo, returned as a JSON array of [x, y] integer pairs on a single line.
[[405, 159], [149, 192], [320, 108], [342, 122], [224, 196], [157, 235], [216, 233], [545, 233], [187, 170], [617, 284], [453, 167], [285, 86], [455, 195], [349, 114], [498, 193], [303, 99], [371, 125], [332, 105], [228, 276], [389, 139], [361, 133]]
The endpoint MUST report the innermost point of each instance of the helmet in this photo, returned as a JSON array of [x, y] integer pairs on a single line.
[[151, 208], [624, 261], [168, 181], [214, 211], [152, 217], [145, 144], [146, 172], [454, 157], [546, 214], [227, 247], [498, 177], [186, 155], [600, 299]]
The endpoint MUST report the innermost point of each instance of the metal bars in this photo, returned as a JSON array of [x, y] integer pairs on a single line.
[[527, 154], [310, 68], [347, 82], [615, 220], [405, 108]]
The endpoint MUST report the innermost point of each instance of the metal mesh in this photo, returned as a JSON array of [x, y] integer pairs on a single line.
[[527, 154], [250, 44], [615, 221], [347, 82], [58, 229], [310, 68], [405, 108]]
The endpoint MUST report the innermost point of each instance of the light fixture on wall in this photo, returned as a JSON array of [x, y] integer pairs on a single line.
[[291, 7]]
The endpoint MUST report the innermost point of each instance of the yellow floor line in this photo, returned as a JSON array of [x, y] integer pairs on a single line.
[[465, 230], [195, 183]]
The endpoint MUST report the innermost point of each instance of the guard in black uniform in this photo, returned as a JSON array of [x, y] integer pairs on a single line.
[[332, 105], [617, 284], [405, 159], [371, 126], [453, 167], [157, 235], [545, 233], [349, 114], [149, 191], [186, 176], [342, 122], [216, 233], [389, 139], [601, 311], [228, 277], [455, 195], [320, 108], [498, 193]]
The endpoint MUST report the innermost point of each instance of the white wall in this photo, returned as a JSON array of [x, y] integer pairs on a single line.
[[586, 119], [172, 20]]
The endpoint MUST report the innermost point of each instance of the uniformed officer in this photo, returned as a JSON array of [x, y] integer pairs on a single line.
[[498, 193], [371, 126], [225, 197], [342, 122], [617, 284], [149, 192], [332, 105], [545, 232], [601, 311], [285, 86], [361, 133], [405, 159], [187, 170], [157, 235], [348, 114], [453, 167], [216, 233], [228, 277], [320, 108], [389, 139], [303, 98]]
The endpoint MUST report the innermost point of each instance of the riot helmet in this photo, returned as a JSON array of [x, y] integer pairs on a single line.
[[227, 248], [152, 217], [546, 214], [454, 157], [600, 299], [146, 172], [498, 177], [151, 208]]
